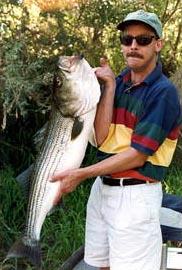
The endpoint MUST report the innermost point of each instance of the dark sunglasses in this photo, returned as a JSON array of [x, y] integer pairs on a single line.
[[141, 40]]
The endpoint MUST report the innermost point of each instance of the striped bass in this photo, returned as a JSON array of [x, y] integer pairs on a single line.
[[76, 93]]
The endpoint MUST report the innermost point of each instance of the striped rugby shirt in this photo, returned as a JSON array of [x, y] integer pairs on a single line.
[[145, 117]]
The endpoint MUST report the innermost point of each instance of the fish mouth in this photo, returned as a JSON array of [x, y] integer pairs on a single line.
[[69, 63]]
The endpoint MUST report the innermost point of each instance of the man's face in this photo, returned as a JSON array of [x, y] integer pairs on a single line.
[[138, 56]]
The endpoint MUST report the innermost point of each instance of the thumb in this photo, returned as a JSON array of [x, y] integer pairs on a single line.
[[58, 196], [55, 178], [103, 61]]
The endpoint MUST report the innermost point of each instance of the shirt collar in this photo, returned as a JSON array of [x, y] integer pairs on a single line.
[[153, 76]]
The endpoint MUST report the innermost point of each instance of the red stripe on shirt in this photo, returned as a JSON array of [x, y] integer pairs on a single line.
[[122, 116], [145, 142], [127, 77], [174, 133], [132, 174]]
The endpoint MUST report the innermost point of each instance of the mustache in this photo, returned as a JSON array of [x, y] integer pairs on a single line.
[[134, 54]]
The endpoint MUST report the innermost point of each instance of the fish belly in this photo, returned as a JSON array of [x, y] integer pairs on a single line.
[[60, 153]]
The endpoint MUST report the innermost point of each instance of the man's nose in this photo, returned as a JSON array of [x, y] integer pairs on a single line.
[[134, 44]]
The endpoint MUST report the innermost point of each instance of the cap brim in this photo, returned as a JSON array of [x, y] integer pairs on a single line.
[[122, 25]]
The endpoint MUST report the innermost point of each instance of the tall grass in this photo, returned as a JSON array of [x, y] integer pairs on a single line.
[[173, 182], [63, 231]]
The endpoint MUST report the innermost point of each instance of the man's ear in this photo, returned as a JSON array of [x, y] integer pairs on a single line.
[[159, 45]]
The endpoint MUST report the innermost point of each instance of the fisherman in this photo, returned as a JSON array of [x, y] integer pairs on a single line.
[[136, 129]]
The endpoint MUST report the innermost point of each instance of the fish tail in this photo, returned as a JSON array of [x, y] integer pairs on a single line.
[[29, 248]]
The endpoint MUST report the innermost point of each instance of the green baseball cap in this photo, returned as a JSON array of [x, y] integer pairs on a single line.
[[148, 18]]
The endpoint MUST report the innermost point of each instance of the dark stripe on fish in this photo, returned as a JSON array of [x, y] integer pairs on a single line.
[[45, 167]]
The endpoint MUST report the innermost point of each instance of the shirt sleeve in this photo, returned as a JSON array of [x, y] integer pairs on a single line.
[[158, 121]]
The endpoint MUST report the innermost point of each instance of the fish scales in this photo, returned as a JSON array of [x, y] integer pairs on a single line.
[[46, 166], [75, 98]]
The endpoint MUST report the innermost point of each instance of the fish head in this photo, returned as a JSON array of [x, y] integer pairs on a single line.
[[78, 90]]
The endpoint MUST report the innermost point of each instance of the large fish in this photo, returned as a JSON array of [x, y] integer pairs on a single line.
[[76, 93]]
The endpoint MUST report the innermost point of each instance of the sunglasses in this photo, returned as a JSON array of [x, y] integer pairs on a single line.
[[141, 40]]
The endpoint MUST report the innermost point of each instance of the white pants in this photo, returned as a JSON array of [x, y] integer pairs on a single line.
[[123, 228]]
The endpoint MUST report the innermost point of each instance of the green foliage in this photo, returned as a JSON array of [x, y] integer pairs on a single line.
[[62, 232], [12, 212], [30, 45], [173, 182], [23, 82], [30, 39]]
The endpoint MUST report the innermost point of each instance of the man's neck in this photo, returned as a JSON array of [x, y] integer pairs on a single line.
[[138, 76]]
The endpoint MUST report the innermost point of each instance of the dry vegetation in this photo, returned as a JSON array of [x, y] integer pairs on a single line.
[[45, 5]]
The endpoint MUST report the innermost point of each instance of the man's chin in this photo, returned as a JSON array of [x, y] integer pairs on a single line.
[[133, 61], [134, 66]]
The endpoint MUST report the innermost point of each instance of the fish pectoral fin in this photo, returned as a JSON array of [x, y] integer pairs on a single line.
[[77, 128]]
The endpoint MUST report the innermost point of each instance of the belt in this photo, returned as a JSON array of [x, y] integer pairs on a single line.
[[122, 182]]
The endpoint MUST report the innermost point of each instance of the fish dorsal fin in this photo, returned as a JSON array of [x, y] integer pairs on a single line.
[[77, 128], [24, 179], [38, 138]]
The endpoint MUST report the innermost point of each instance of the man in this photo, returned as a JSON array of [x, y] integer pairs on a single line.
[[136, 128]]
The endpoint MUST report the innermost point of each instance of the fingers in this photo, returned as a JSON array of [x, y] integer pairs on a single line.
[[56, 177], [53, 179], [103, 61]]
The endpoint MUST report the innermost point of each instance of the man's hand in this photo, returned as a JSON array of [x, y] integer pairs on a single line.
[[69, 180], [104, 112], [105, 73]]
